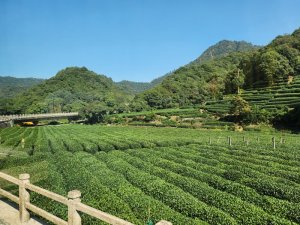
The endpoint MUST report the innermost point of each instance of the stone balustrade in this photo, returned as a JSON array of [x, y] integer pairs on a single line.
[[38, 116]]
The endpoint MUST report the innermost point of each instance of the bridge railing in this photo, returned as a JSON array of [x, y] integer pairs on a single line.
[[72, 202], [37, 116]]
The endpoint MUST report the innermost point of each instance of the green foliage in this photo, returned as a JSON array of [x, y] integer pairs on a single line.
[[190, 85], [276, 61], [197, 82], [215, 73], [150, 117], [223, 48], [72, 89], [271, 81], [247, 114], [273, 66], [132, 87], [257, 115], [291, 118], [11, 86], [239, 106], [161, 173], [234, 81]]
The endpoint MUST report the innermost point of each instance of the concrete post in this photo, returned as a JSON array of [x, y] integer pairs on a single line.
[[23, 143], [274, 142], [73, 216], [229, 141], [209, 140], [24, 197]]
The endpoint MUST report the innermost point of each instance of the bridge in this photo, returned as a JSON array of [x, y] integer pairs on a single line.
[[12, 119]]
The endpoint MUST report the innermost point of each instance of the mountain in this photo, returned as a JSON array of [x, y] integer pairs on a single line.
[[198, 81], [11, 86], [159, 80], [223, 48], [72, 89], [132, 87], [270, 81], [218, 50]]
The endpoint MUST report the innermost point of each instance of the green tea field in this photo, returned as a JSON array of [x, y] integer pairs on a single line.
[[185, 176]]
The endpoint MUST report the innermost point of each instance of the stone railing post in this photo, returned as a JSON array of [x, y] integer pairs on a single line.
[[24, 197], [274, 142], [73, 216], [163, 222]]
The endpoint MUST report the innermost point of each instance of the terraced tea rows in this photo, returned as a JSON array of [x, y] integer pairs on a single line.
[[278, 96], [181, 118], [181, 175]]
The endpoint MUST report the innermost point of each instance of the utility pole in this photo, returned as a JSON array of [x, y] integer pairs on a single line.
[[238, 75], [52, 104]]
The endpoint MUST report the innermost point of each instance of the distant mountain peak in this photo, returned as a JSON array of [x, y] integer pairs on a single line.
[[218, 50], [223, 48]]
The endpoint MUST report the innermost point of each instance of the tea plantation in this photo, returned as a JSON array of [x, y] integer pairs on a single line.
[[282, 94], [186, 176]]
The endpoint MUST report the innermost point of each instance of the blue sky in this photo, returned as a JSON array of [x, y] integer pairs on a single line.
[[130, 39]]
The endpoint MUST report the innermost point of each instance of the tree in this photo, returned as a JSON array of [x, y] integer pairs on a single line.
[[239, 106], [234, 81], [257, 115], [95, 112], [290, 53], [213, 88], [138, 105], [273, 66]]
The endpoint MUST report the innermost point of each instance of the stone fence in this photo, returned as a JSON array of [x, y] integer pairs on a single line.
[[72, 202]]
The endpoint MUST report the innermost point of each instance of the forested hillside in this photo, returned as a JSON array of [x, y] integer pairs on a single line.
[[223, 69], [264, 87], [218, 50], [223, 48], [10, 86], [132, 87], [280, 60], [198, 81], [227, 68], [72, 89]]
